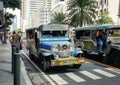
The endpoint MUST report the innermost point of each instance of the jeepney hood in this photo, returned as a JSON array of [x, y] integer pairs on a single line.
[[47, 43]]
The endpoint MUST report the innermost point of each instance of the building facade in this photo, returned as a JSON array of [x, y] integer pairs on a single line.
[[35, 12]]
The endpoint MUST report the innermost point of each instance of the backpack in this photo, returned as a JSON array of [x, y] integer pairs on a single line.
[[16, 39]]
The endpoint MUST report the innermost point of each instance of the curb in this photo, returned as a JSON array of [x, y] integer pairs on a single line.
[[25, 75]]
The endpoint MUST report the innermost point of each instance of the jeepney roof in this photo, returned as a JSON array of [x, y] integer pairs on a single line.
[[51, 27], [96, 27], [55, 27]]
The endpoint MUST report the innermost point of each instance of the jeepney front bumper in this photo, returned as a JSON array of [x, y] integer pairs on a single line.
[[66, 61]]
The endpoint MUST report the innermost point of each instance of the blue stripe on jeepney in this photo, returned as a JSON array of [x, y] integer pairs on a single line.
[[50, 38], [75, 52], [48, 45]]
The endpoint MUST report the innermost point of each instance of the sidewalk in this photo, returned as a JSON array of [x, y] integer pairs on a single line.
[[6, 77]]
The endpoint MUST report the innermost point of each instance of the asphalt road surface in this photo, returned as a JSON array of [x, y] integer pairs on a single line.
[[90, 73]]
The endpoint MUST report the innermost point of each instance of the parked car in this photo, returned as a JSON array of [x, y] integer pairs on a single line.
[[52, 45], [85, 38]]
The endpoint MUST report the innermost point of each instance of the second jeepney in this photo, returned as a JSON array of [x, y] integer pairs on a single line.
[[53, 46], [85, 38]]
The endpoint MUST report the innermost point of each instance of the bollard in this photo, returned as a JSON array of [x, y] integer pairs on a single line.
[[16, 69], [13, 51]]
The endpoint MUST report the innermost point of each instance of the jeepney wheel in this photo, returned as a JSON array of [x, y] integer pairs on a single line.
[[76, 66], [106, 59], [46, 63], [86, 54], [115, 58]]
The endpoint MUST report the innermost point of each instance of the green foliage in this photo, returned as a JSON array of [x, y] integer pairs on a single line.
[[8, 18], [58, 18], [104, 19], [12, 4], [82, 12]]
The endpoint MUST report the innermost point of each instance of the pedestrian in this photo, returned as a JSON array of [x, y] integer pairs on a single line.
[[21, 40], [16, 41], [101, 40]]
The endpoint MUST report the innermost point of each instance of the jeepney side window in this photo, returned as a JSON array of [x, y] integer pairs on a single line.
[[79, 34]]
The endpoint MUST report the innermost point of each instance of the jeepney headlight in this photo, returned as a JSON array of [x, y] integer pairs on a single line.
[[55, 48]]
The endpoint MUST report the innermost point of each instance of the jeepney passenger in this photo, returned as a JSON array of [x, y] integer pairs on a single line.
[[101, 40]]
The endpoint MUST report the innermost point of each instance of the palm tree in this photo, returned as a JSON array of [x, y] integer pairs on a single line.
[[82, 12], [59, 18]]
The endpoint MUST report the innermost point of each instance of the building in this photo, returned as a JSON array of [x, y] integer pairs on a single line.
[[35, 12], [24, 14], [112, 7]]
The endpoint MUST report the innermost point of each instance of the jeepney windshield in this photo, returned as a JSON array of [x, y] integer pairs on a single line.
[[54, 33], [82, 33]]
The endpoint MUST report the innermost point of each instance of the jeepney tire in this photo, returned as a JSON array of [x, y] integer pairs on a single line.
[[106, 59], [41, 58], [115, 58], [76, 66], [47, 64], [86, 54]]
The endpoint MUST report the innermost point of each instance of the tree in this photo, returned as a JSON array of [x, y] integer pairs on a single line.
[[9, 4], [12, 4], [59, 18], [8, 17], [104, 19], [82, 12]]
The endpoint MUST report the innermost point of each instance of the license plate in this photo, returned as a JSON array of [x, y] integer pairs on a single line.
[[68, 62]]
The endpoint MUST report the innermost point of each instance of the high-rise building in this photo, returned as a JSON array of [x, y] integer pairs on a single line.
[[35, 13]]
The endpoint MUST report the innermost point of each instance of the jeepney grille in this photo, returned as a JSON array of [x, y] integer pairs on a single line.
[[64, 51]]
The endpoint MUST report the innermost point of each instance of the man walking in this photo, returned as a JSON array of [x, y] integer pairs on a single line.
[[16, 41]]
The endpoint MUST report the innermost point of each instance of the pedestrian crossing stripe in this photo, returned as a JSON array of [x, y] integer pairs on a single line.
[[75, 77], [90, 75], [113, 70], [104, 73], [60, 80]]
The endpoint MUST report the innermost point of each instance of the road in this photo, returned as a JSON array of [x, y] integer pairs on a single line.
[[90, 73]]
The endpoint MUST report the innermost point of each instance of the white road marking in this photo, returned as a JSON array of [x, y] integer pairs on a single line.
[[113, 70], [75, 77], [58, 79], [104, 73], [90, 75]]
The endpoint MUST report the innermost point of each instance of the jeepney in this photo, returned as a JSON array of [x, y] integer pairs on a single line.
[[85, 38], [53, 46]]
